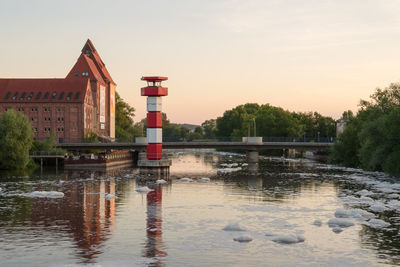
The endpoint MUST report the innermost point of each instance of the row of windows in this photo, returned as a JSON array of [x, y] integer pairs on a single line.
[[48, 130], [38, 96], [60, 119], [36, 109]]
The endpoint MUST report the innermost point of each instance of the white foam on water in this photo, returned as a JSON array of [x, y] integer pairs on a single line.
[[144, 189], [44, 194], [377, 223], [364, 192], [337, 230], [243, 239], [161, 181], [393, 204], [229, 165], [317, 222], [229, 170], [110, 196], [288, 239], [234, 226], [341, 222], [377, 207], [205, 179], [185, 180]]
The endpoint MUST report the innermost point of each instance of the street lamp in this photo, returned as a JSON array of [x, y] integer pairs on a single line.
[[254, 119]]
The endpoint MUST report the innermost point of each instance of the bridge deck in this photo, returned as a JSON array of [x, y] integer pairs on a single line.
[[181, 145]]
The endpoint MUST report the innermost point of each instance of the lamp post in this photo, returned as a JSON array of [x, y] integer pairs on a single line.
[[254, 119]]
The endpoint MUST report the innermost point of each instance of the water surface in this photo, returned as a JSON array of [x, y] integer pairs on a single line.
[[180, 223]]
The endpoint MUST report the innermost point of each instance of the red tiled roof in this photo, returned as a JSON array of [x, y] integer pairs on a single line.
[[82, 65], [43, 85]]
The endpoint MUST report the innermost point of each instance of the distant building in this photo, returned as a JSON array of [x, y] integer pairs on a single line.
[[82, 102], [340, 124]]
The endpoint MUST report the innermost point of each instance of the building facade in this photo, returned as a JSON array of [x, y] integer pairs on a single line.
[[82, 102]]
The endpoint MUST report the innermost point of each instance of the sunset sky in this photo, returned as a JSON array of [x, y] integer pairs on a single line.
[[312, 55]]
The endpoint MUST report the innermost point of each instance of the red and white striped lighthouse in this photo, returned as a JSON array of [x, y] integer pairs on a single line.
[[154, 91]]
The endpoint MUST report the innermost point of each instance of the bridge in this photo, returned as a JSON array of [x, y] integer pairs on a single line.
[[199, 145]]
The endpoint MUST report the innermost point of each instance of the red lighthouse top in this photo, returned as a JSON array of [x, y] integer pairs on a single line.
[[154, 87], [154, 78]]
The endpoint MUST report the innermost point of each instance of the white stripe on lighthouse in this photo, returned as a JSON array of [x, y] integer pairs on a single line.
[[154, 104], [154, 135]]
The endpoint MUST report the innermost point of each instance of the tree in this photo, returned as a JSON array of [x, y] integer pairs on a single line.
[[209, 128], [125, 129], [371, 138], [16, 138]]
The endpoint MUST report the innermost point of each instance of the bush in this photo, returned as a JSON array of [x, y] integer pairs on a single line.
[[16, 138]]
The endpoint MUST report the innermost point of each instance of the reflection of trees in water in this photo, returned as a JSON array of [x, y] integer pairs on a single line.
[[83, 212], [385, 241]]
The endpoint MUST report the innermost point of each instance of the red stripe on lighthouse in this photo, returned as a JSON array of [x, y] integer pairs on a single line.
[[154, 151], [154, 120]]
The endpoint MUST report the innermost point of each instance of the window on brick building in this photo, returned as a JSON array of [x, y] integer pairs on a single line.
[[76, 74], [61, 96], [7, 95], [30, 96], [77, 95], [46, 95], [53, 96], [15, 96], [22, 96], [35, 130], [69, 96], [38, 95]]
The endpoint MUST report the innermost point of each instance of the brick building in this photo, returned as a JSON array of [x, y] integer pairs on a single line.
[[82, 102]]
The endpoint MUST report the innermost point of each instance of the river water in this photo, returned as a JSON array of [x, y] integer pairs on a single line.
[[295, 212]]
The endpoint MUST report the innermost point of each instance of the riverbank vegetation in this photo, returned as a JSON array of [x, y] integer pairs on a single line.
[[273, 122], [125, 128], [16, 137], [371, 138]]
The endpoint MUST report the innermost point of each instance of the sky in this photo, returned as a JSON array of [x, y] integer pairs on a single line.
[[314, 55]]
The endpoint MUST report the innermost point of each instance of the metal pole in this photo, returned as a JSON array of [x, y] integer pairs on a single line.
[[254, 119]]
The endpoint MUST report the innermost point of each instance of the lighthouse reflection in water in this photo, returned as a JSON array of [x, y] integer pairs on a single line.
[[154, 245]]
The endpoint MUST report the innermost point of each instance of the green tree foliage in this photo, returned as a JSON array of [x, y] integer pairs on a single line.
[[371, 139], [209, 128], [16, 138], [272, 122], [125, 129], [49, 144]]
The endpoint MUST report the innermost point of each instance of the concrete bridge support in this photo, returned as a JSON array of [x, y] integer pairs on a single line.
[[252, 160]]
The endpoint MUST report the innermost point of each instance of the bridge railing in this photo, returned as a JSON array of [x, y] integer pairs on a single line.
[[47, 153], [216, 139]]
